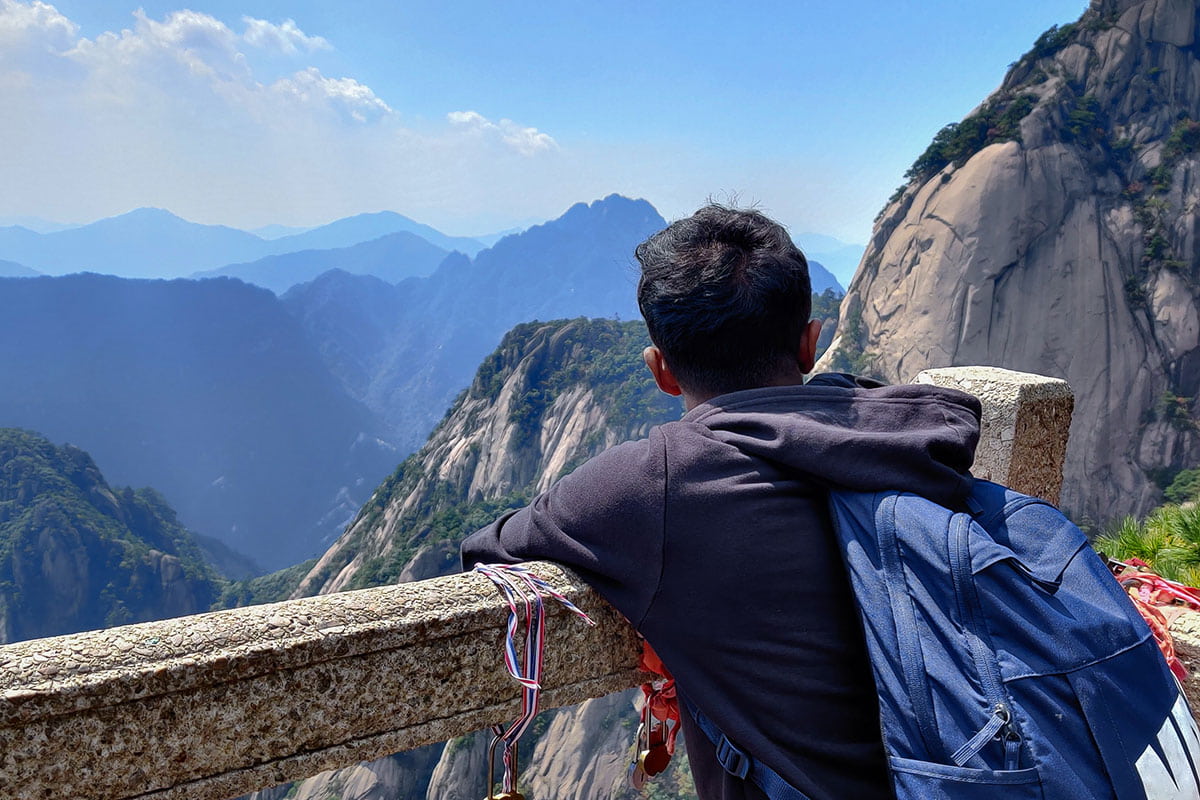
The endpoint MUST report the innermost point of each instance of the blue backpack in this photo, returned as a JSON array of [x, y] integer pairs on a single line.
[[1009, 662]]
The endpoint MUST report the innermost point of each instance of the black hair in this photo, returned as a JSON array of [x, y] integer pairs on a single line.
[[726, 296]]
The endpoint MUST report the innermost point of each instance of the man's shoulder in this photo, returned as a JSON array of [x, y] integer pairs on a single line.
[[642, 465]]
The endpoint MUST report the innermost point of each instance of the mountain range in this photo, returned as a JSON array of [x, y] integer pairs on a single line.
[[206, 390], [263, 420], [154, 243], [406, 350], [390, 258]]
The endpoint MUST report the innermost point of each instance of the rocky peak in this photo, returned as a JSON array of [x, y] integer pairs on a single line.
[[549, 397], [1054, 230]]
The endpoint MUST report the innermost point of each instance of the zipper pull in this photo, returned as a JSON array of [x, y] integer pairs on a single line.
[[998, 721]]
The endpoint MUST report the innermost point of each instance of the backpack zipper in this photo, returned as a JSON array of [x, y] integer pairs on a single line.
[[999, 724]]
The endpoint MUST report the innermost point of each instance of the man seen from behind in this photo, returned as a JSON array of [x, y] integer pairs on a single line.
[[712, 535]]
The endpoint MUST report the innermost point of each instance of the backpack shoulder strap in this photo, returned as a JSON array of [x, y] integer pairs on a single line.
[[740, 764], [866, 526]]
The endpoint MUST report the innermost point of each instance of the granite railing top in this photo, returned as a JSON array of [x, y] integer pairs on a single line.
[[215, 705], [219, 704], [67, 674]]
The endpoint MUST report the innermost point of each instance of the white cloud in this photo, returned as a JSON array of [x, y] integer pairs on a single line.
[[172, 112], [18, 17], [526, 141], [186, 52], [286, 37], [344, 94], [33, 37]]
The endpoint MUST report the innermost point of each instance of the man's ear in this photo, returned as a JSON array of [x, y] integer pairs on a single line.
[[661, 372], [808, 345]]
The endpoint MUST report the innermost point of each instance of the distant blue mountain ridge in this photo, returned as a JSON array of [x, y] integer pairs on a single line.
[[405, 350], [154, 243], [364, 227], [11, 269], [391, 258], [837, 257]]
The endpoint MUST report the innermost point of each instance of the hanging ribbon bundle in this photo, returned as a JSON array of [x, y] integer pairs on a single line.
[[659, 695], [1150, 592], [523, 592]]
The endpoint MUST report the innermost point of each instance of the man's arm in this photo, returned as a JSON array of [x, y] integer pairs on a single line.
[[604, 520]]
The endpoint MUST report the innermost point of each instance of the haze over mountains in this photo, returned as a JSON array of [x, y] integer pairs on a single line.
[[390, 258], [266, 421], [206, 390], [154, 243], [11, 269], [406, 350]]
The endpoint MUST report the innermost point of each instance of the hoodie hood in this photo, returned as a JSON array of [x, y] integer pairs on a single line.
[[848, 433]]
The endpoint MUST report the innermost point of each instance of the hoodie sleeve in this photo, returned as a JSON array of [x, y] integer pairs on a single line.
[[604, 520]]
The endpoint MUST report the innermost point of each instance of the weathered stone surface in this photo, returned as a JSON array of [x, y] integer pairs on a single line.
[[1065, 253], [1026, 419], [1185, 631], [216, 705]]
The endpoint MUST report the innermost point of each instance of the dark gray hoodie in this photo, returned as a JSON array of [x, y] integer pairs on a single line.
[[712, 535]]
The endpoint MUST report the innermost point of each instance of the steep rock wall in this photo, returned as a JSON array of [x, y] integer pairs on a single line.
[[551, 396], [1055, 231]]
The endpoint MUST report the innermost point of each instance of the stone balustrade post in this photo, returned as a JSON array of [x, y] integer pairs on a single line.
[[220, 704], [1026, 420]]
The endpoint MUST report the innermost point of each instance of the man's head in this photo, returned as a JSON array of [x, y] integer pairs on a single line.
[[726, 297]]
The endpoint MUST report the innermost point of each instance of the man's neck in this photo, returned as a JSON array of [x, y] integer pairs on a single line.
[[692, 399]]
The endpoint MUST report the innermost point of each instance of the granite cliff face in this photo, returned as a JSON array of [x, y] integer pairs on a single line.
[[1055, 230], [552, 395]]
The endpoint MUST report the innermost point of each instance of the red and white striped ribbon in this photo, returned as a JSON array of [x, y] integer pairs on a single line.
[[522, 589]]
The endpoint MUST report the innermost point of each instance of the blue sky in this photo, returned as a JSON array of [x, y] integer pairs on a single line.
[[477, 116]]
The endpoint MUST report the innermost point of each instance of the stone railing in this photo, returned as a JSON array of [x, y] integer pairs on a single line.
[[216, 705]]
